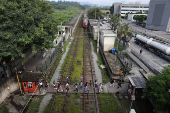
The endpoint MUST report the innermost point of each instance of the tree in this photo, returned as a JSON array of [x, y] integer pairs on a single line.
[[112, 9], [157, 89], [25, 25], [124, 33], [140, 18], [91, 13], [115, 20]]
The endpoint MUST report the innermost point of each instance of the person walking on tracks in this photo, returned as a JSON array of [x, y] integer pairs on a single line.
[[68, 80], [86, 87], [112, 83], [54, 84], [140, 51], [76, 81], [46, 86], [67, 87], [81, 84], [101, 87], [60, 87], [41, 84], [119, 84], [76, 88]]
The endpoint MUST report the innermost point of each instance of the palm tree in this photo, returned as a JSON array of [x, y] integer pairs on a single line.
[[124, 33], [116, 20]]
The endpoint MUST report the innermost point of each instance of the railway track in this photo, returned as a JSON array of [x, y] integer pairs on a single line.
[[87, 98]]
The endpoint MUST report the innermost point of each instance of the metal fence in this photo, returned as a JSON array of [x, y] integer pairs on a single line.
[[57, 50]]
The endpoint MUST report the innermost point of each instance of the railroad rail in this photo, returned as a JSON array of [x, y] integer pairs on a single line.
[[63, 80], [88, 74]]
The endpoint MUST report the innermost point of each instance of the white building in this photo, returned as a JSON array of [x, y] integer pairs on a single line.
[[131, 8], [107, 39]]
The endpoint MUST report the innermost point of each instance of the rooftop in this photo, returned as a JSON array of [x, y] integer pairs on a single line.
[[30, 76], [135, 81], [71, 22]]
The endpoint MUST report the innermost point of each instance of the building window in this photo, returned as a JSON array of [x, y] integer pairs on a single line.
[[30, 85], [134, 6], [125, 10], [25, 86], [126, 6], [145, 7]]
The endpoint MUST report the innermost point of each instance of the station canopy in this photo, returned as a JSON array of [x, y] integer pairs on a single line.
[[136, 81]]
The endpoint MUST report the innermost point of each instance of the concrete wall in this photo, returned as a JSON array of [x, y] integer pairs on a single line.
[[158, 15], [4, 91], [117, 8], [108, 43]]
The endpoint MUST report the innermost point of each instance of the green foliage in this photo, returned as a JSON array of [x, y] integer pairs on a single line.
[[74, 104], [91, 13], [25, 24], [66, 15], [71, 3], [115, 20], [59, 103], [109, 104], [112, 9], [157, 89], [4, 109], [34, 105], [140, 18], [124, 33]]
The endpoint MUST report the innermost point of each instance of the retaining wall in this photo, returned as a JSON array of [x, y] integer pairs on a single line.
[[4, 91]]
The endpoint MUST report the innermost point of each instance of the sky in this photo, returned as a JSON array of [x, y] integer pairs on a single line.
[[109, 2]]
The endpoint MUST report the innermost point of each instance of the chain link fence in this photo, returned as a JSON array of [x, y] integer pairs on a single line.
[[57, 50]]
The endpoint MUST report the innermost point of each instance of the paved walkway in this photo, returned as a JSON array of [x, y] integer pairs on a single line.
[[45, 102], [57, 71], [96, 67], [114, 89]]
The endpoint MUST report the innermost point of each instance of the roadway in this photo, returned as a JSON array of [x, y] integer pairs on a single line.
[[161, 35]]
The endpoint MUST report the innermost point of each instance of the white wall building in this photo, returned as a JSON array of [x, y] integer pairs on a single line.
[[107, 39], [131, 8]]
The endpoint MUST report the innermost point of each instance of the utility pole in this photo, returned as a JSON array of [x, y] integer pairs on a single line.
[[62, 39], [95, 14], [67, 16], [98, 36], [18, 81]]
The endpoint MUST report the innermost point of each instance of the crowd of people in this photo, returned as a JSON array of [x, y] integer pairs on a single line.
[[79, 85]]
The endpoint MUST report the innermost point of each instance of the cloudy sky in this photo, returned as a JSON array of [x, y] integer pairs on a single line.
[[109, 2]]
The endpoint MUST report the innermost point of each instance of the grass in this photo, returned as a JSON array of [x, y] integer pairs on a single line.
[[34, 105], [48, 107], [78, 69], [74, 104], [105, 77], [59, 103], [4, 109], [109, 104]]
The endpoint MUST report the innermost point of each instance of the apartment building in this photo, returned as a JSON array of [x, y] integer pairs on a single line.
[[131, 8]]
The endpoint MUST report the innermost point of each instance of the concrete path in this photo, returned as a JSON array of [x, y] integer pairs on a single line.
[[57, 71], [96, 67], [45, 102], [114, 89]]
